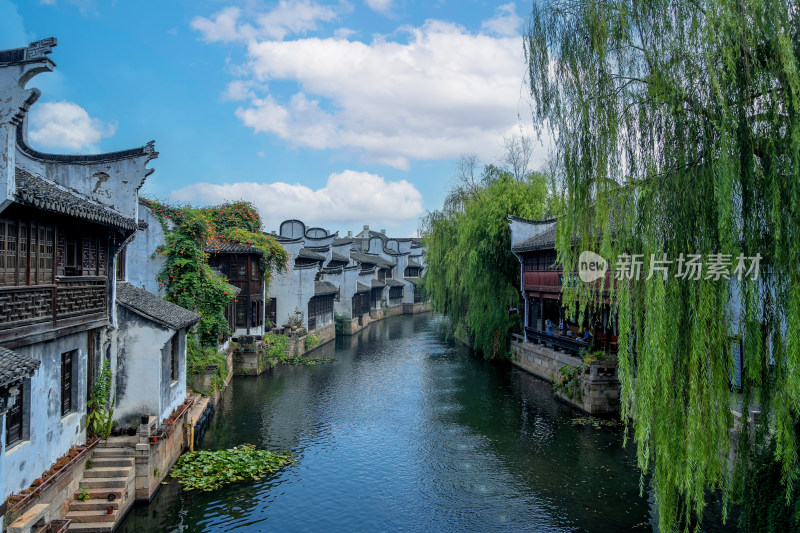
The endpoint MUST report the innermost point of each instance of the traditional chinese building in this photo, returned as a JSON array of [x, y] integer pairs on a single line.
[[241, 265], [65, 222], [360, 279], [544, 349]]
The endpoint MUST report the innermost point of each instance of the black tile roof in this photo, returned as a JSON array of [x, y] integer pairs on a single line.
[[342, 240], [157, 309], [541, 241], [231, 248], [377, 284], [339, 257], [305, 253], [394, 283], [42, 194], [148, 150], [413, 263], [371, 259], [325, 288], [15, 367], [412, 280], [360, 287]]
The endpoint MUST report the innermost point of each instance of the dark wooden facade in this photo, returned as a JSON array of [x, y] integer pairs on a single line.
[[542, 282], [53, 273], [242, 268]]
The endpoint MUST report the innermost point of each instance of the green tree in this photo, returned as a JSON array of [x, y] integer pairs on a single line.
[[679, 121], [472, 276]]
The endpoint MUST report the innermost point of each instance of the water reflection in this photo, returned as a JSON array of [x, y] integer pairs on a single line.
[[408, 432]]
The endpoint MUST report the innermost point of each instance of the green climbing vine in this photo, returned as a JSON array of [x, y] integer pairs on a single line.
[[186, 276], [677, 128]]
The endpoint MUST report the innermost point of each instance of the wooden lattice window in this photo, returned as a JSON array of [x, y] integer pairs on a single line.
[[14, 419], [66, 382]]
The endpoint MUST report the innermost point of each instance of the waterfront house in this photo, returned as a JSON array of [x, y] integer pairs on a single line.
[[360, 279], [63, 221], [151, 356], [241, 266], [546, 353]]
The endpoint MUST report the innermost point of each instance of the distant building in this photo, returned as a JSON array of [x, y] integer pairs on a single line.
[[360, 279]]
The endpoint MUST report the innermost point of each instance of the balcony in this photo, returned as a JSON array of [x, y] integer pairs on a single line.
[[27, 310]]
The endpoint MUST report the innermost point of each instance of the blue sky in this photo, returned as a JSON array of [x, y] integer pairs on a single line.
[[340, 113]]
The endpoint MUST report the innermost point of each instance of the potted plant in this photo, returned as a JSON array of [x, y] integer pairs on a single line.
[[296, 319], [83, 495], [109, 510]]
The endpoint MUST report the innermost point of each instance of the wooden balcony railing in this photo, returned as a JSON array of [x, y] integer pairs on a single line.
[[557, 342], [30, 309]]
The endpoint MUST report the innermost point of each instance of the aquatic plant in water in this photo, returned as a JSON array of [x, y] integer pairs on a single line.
[[210, 470]]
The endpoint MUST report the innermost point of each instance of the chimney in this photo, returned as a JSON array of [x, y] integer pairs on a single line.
[[383, 231], [366, 227], [349, 233]]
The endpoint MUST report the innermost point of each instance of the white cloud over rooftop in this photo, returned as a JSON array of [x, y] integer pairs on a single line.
[[66, 125], [348, 198]]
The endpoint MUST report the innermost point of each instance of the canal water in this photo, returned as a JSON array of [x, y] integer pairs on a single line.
[[409, 432]]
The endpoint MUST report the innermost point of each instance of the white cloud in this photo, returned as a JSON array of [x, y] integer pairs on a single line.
[[238, 90], [443, 93], [289, 17], [348, 197], [505, 23], [380, 6], [66, 125]]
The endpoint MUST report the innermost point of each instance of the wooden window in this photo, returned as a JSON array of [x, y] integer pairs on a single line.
[[174, 357], [22, 255], [66, 382], [320, 311], [46, 246], [395, 294], [121, 259], [272, 311], [102, 255], [15, 420], [72, 261], [241, 314], [8, 252]]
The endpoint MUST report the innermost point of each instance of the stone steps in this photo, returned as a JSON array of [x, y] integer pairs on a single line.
[[92, 527], [111, 473], [104, 472], [107, 482], [92, 515], [108, 462], [94, 504], [113, 452]]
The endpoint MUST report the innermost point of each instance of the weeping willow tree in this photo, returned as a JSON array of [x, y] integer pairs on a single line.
[[677, 123], [471, 275]]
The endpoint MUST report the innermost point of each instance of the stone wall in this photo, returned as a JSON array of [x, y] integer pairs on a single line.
[[420, 307], [250, 363], [154, 460], [53, 502], [599, 386], [297, 341]]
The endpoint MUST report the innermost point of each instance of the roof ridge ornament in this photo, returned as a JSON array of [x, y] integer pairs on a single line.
[[38, 49]]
